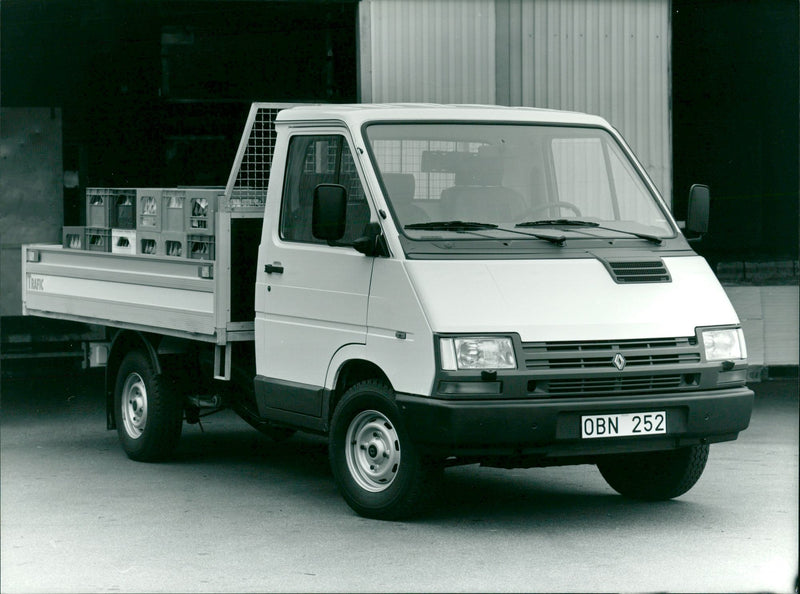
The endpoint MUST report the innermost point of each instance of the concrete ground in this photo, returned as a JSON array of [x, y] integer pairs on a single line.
[[235, 512]]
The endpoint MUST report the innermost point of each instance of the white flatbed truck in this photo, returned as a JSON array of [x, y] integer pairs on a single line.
[[427, 286]]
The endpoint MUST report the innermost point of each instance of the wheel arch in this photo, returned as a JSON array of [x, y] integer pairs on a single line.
[[349, 374], [123, 342]]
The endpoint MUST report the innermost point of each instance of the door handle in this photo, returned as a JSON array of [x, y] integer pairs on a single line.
[[275, 267]]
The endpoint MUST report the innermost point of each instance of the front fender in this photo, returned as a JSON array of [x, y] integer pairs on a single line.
[[406, 364]]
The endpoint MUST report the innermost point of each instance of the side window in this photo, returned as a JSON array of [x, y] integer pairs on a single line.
[[315, 160]]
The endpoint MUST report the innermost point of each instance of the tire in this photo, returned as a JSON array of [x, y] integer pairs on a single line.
[[378, 470], [655, 476], [148, 409]]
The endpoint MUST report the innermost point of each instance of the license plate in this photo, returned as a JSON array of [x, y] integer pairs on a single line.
[[623, 425]]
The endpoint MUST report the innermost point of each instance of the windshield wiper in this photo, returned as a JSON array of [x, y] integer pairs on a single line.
[[450, 226], [558, 222], [467, 226], [578, 223]]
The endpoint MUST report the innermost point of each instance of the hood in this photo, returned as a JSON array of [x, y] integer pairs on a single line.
[[568, 299]]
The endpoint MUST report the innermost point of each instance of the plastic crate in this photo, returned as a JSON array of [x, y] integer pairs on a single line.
[[98, 207], [149, 206], [123, 209], [149, 243], [123, 241], [97, 239], [173, 210], [201, 208], [73, 238], [201, 247], [175, 244]]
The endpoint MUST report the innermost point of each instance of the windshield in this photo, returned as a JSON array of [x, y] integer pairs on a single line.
[[483, 179]]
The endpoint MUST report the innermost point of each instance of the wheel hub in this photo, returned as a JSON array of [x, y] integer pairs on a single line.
[[373, 451], [134, 405]]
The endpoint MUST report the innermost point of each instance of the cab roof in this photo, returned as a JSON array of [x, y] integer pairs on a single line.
[[356, 115]]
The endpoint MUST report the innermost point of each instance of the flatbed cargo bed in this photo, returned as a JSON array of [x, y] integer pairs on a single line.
[[206, 300]]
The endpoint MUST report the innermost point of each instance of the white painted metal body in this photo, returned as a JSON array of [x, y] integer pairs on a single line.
[[335, 305], [179, 297], [332, 305]]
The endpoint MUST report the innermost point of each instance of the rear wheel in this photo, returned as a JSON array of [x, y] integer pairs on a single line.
[[655, 476], [380, 473], [149, 411]]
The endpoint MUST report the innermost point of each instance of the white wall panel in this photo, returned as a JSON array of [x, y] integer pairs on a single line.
[[608, 57], [438, 51]]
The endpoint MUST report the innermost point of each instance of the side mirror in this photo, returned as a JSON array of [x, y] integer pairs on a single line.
[[329, 212], [697, 215]]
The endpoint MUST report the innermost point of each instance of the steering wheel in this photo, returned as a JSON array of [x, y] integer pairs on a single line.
[[550, 206]]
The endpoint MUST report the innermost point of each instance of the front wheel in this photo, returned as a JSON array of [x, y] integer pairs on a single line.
[[378, 470], [655, 476], [149, 412]]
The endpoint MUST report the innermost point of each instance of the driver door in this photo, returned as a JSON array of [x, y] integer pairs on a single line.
[[314, 295]]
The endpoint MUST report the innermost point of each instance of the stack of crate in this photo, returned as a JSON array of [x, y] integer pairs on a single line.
[[201, 207], [149, 209], [178, 223], [110, 222]]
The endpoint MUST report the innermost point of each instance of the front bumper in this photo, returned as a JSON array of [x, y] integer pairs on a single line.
[[551, 427]]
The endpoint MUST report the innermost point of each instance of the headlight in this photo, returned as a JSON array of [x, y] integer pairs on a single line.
[[478, 352], [724, 344]]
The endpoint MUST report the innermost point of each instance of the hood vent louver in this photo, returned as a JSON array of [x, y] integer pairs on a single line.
[[638, 271]]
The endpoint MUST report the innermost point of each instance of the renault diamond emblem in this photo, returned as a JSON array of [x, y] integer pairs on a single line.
[[619, 361]]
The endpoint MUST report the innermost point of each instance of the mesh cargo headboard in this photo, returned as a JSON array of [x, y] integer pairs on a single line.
[[247, 185]]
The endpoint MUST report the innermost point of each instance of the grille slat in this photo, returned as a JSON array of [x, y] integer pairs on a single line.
[[652, 271], [600, 354], [621, 384], [591, 370]]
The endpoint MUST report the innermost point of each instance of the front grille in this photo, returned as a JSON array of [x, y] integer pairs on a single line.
[[565, 356], [587, 368], [612, 385]]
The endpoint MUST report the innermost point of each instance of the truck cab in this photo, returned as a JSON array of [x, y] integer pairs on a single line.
[[506, 285]]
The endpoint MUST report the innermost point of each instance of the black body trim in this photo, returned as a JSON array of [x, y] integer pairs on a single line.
[[291, 402], [550, 428]]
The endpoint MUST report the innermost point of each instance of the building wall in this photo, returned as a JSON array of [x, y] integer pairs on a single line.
[[608, 57], [440, 51], [31, 180]]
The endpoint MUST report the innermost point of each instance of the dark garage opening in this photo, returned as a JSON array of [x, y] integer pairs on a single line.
[[155, 93], [142, 93], [735, 124]]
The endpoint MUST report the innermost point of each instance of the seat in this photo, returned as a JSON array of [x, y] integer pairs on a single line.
[[478, 194], [401, 188]]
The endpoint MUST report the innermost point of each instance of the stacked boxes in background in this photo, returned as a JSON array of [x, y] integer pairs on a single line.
[[106, 209], [149, 243], [177, 223], [200, 213], [123, 241], [73, 237], [174, 223], [149, 209]]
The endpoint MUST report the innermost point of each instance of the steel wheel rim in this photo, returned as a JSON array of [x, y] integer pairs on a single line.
[[134, 405], [372, 451]]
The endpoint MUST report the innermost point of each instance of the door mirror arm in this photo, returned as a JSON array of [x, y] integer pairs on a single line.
[[372, 243]]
